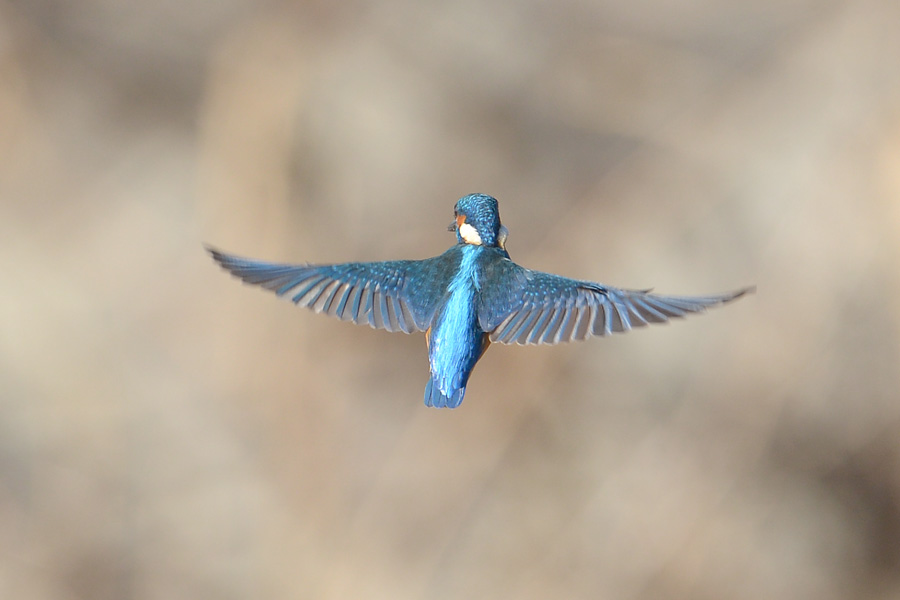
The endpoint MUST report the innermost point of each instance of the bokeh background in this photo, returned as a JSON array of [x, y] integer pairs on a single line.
[[166, 432]]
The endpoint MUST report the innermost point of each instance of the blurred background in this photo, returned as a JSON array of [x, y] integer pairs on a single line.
[[166, 432]]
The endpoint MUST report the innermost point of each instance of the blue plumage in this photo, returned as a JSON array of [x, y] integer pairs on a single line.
[[465, 298], [455, 339]]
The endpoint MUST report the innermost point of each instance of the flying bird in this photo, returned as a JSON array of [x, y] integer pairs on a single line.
[[464, 299]]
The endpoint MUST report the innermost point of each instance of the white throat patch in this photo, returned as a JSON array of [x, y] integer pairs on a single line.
[[469, 234]]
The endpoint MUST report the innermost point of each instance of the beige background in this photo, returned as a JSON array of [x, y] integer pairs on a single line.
[[166, 432]]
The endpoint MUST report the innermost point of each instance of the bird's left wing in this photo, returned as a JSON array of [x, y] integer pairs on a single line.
[[392, 295], [540, 308]]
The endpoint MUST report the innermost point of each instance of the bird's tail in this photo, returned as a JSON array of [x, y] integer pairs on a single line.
[[436, 398]]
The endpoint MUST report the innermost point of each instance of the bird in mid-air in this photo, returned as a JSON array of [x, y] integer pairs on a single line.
[[466, 298]]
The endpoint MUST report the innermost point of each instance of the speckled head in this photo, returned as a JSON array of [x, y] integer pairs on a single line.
[[478, 220]]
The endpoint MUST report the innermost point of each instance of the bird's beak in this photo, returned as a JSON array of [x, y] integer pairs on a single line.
[[501, 236], [460, 219]]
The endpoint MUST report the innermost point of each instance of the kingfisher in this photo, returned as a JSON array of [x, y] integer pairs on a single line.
[[464, 299]]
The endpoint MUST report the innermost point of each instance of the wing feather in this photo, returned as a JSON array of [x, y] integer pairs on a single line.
[[549, 309], [392, 295], [340, 309], [553, 326], [619, 319]]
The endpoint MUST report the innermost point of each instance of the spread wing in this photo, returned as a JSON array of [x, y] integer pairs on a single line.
[[395, 295], [548, 309]]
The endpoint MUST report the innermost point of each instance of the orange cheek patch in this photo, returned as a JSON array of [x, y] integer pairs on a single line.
[[460, 220]]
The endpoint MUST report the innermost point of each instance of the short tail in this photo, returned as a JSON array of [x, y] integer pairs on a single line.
[[434, 397]]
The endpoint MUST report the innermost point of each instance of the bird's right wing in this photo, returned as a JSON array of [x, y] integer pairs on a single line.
[[397, 295], [548, 309]]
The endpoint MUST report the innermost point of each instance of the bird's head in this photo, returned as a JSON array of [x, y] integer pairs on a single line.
[[478, 221]]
